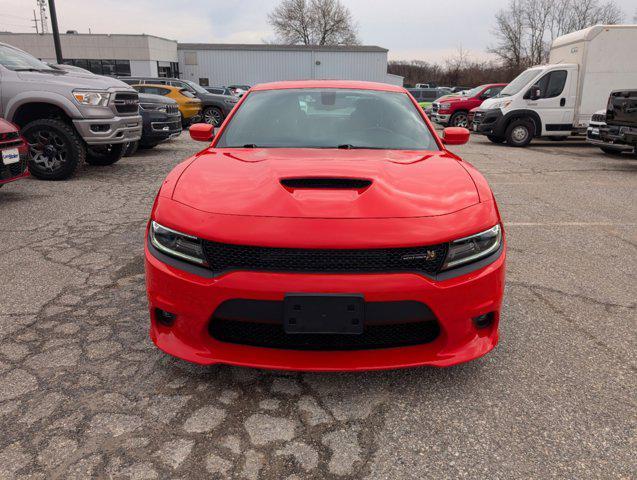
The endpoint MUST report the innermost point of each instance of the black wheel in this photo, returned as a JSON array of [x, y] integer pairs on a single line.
[[104, 154], [55, 149], [130, 149], [611, 151], [459, 119], [213, 116], [495, 139], [520, 132]]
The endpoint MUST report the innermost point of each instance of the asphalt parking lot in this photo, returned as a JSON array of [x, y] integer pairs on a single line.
[[84, 393]]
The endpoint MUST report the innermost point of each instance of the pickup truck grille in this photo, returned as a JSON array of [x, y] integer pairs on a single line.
[[599, 118], [126, 103]]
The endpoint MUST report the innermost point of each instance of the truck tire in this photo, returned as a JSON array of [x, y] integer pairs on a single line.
[[496, 139], [611, 151], [55, 149], [213, 116], [459, 119], [103, 155], [131, 149], [520, 132]]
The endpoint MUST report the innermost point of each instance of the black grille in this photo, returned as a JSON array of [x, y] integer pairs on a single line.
[[599, 118], [15, 169], [126, 102], [434, 107], [172, 109], [259, 323], [223, 257]]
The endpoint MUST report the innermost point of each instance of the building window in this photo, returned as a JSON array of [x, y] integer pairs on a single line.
[[102, 67], [168, 69], [190, 58], [204, 82]]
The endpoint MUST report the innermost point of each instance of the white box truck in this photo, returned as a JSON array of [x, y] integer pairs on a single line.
[[558, 99]]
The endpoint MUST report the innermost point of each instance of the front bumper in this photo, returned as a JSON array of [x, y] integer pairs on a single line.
[[487, 122], [454, 301], [617, 136], [159, 127], [108, 131], [441, 118]]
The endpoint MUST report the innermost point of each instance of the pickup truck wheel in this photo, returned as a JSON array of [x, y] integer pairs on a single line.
[[213, 116], [459, 119], [55, 149], [131, 149], [496, 139], [611, 151], [520, 132], [104, 154]]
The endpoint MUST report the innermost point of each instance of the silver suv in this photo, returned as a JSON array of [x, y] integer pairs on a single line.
[[66, 117]]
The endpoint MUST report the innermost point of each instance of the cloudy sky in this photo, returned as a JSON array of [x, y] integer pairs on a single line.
[[410, 29]]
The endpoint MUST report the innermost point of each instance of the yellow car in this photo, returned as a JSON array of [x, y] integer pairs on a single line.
[[189, 105]]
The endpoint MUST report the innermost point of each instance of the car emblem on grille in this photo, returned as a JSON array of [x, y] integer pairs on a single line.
[[429, 255]]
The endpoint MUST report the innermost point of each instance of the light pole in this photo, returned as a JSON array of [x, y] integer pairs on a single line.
[[56, 32]]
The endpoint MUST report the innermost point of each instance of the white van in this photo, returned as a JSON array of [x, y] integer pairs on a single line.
[[558, 99]]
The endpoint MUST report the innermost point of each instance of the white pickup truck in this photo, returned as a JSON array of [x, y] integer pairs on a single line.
[[558, 99]]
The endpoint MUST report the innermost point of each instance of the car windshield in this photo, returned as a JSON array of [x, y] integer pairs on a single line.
[[328, 118], [519, 82], [196, 87], [17, 60], [473, 92]]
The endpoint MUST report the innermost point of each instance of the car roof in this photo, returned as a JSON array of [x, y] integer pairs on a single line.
[[158, 85], [346, 84]]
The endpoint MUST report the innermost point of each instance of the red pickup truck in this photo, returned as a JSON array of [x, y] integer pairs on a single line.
[[452, 110], [13, 153]]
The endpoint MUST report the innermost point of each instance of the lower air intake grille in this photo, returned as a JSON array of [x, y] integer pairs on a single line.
[[259, 323], [224, 257]]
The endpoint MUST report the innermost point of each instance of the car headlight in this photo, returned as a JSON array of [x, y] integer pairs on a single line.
[[501, 105], [473, 248], [155, 107], [177, 244], [445, 106], [92, 98]]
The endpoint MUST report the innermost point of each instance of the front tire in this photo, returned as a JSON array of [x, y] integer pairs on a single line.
[[459, 119], [131, 149], [213, 116], [519, 133], [55, 149], [102, 155]]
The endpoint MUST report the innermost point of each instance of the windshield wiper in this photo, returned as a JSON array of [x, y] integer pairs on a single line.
[[349, 146], [250, 145]]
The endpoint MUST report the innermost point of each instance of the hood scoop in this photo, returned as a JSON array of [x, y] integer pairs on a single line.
[[326, 183]]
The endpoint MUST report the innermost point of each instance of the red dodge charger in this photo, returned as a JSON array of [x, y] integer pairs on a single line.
[[326, 227]]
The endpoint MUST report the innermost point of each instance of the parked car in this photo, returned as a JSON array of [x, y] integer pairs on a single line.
[[214, 107], [66, 118], [558, 99], [239, 90], [220, 91], [13, 153], [189, 106], [620, 130], [593, 136], [426, 96], [310, 241], [452, 110], [161, 121]]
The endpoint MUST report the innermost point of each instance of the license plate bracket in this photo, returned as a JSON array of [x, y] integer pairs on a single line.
[[323, 313], [10, 156]]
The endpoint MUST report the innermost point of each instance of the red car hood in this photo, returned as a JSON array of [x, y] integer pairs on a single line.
[[249, 182]]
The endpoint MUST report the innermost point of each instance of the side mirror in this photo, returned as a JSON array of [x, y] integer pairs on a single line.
[[202, 132], [534, 93], [455, 136]]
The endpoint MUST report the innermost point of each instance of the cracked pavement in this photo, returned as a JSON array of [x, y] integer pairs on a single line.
[[85, 394]]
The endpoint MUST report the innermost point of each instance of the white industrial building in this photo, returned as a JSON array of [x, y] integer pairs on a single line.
[[208, 63], [139, 55], [239, 64]]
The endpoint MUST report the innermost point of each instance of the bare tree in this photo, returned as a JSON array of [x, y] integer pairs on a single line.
[[313, 22], [526, 28]]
